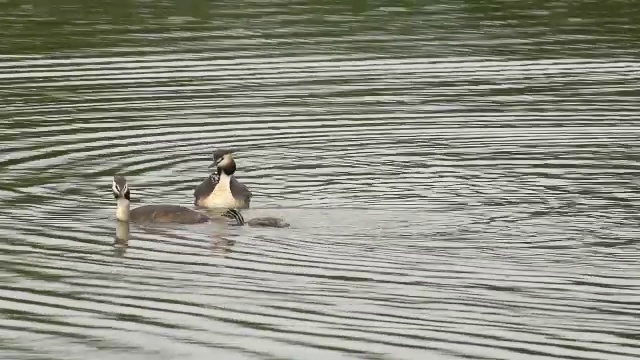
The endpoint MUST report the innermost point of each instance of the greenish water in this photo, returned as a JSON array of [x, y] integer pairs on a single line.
[[461, 179]]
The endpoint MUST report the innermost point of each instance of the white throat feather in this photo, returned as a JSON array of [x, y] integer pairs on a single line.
[[123, 209]]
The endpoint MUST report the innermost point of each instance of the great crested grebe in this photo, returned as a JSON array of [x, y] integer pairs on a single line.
[[221, 189], [159, 213], [264, 221]]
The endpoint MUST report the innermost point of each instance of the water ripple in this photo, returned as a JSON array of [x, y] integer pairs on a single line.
[[460, 184]]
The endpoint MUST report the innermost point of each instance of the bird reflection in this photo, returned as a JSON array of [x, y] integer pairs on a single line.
[[121, 242], [219, 245]]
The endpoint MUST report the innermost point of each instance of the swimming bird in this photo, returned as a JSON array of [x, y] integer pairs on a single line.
[[158, 213], [265, 221], [221, 189]]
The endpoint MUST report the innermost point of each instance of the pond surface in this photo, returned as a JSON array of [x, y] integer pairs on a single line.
[[461, 179]]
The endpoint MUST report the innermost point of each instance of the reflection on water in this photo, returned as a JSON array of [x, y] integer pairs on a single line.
[[460, 179], [122, 234]]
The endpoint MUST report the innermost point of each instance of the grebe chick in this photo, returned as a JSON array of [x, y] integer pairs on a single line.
[[265, 221]]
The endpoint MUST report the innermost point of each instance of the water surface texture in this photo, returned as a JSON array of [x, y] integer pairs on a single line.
[[461, 179]]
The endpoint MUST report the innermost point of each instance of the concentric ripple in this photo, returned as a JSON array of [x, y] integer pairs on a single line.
[[461, 180]]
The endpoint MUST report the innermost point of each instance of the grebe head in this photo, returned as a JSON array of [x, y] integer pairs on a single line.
[[120, 188], [234, 214], [121, 193], [223, 161]]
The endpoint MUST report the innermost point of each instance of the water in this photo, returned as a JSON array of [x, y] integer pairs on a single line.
[[461, 179]]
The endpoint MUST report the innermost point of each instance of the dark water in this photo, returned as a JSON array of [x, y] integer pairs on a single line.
[[461, 179]]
